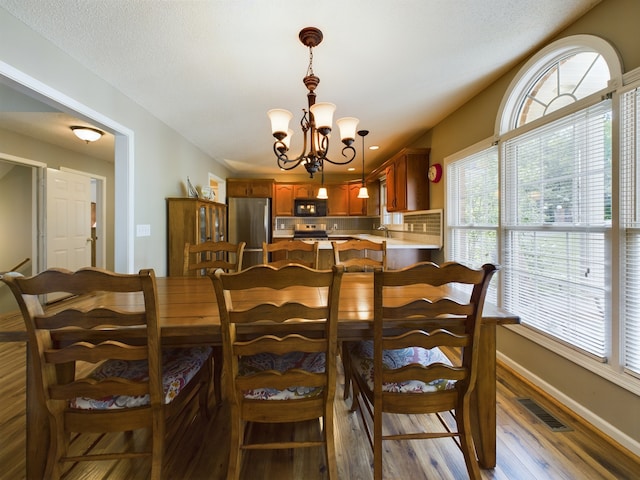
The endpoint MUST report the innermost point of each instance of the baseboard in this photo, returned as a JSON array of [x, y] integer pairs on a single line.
[[605, 428]]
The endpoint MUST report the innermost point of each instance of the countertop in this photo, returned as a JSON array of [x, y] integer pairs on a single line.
[[392, 243]]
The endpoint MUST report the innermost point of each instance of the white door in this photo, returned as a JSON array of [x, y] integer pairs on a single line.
[[68, 220]]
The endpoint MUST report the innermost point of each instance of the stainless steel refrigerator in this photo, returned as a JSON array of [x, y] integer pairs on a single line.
[[250, 221]]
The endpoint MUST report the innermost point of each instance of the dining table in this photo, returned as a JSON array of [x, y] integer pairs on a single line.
[[189, 316]]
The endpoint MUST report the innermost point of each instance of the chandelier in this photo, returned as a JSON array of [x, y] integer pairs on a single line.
[[316, 123]]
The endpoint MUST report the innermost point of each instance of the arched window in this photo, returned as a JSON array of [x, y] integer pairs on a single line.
[[567, 80], [555, 130]]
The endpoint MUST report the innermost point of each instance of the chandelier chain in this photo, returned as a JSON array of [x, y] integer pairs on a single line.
[[310, 68]]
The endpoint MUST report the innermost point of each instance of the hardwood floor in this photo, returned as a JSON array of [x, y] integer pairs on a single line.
[[527, 448]]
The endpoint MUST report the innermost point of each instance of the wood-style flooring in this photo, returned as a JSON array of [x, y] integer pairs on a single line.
[[527, 448]]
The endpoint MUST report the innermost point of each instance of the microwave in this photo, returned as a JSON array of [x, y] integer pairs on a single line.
[[309, 207]]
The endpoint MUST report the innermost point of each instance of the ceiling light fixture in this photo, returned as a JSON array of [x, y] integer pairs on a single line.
[[88, 134], [363, 192], [316, 122]]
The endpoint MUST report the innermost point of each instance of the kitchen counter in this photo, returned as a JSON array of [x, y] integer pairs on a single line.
[[392, 243]]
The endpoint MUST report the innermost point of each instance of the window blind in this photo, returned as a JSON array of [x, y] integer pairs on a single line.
[[556, 219], [473, 206], [630, 221]]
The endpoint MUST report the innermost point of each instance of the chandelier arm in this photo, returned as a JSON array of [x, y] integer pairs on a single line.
[[286, 164], [352, 154]]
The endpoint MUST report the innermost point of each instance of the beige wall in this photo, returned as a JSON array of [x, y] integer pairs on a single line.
[[615, 21], [162, 158]]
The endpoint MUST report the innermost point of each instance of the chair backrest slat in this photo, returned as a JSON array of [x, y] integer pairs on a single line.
[[360, 255], [204, 258], [292, 251]]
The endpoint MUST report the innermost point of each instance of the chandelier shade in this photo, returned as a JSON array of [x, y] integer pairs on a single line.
[[316, 123], [280, 119]]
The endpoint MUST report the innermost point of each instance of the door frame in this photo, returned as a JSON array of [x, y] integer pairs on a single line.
[[124, 204]]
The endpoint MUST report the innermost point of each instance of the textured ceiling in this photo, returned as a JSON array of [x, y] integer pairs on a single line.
[[211, 69]]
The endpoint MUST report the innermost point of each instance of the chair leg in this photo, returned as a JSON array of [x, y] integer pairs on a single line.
[[463, 421], [377, 443], [203, 396], [330, 449], [346, 364], [57, 450], [217, 374], [235, 444]]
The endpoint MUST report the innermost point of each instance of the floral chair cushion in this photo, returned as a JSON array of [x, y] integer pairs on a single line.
[[311, 362], [362, 363], [179, 366]]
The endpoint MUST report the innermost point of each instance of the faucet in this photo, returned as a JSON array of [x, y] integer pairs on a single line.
[[383, 228]]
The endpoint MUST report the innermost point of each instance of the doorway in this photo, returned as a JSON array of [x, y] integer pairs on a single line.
[[123, 156]]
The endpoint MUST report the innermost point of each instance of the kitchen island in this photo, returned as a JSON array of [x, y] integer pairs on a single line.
[[400, 252]]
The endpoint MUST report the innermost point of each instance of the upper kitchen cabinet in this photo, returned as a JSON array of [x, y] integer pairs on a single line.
[[338, 201], [283, 200], [407, 183], [250, 187], [373, 202], [357, 206], [305, 190], [192, 220]]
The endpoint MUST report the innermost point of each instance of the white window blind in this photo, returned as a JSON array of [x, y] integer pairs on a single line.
[[630, 221], [556, 222], [473, 209]]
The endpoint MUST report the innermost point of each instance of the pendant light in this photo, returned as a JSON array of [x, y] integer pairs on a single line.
[[363, 192]]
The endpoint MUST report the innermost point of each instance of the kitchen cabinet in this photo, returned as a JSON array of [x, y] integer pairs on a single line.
[[357, 206], [192, 220], [305, 190], [407, 182], [338, 201], [249, 187], [283, 200], [286, 193], [373, 202]]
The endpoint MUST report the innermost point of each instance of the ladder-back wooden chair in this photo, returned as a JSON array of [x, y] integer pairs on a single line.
[[112, 374], [294, 251], [279, 332], [204, 258], [404, 371], [357, 256], [360, 255]]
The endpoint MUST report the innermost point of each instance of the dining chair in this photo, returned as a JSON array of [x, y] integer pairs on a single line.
[[404, 369], [360, 255], [279, 333], [356, 256], [200, 259], [294, 251], [113, 376]]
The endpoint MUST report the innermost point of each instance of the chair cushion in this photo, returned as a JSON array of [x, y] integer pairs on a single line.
[[311, 362], [179, 366], [361, 354]]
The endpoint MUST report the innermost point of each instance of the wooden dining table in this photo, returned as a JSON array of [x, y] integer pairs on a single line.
[[189, 316]]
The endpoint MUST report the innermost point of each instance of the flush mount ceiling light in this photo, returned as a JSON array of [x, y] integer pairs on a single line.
[[316, 123], [88, 134]]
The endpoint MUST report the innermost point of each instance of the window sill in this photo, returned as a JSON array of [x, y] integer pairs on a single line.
[[604, 370]]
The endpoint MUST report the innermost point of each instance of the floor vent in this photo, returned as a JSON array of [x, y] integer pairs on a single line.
[[549, 420]]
